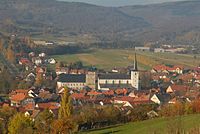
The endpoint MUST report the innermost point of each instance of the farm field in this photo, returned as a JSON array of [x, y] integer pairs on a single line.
[[110, 58], [158, 126]]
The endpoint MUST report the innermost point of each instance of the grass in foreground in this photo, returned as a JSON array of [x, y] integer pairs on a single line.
[[158, 126]]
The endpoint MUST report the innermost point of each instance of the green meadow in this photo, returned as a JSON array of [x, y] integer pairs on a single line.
[[110, 58], [153, 126]]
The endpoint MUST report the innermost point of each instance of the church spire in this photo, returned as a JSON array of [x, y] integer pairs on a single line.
[[135, 64]]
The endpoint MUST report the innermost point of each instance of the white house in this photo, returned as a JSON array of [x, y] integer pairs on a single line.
[[52, 61], [42, 55]]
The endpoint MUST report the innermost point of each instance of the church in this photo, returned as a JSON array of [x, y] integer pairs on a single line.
[[130, 79]]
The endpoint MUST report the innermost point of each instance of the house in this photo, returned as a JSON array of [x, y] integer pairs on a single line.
[[122, 92], [31, 54], [37, 60], [186, 78], [142, 48], [78, 96], [32, 114], [159, 50], [24, 61], [62, 70], [51, 61], [48, 105], [173, 88], [160, 98], [42, 55], [124, 101], [30, 77], [163, 68], [109, 93], [152, 114], [41, 70], [21, 97]]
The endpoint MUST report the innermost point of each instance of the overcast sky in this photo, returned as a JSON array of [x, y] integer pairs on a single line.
[[121, 2]]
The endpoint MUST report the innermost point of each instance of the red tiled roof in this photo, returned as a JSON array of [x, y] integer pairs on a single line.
[[179, 87], [40, 70], [186, 77], [109, 92], [29, 106], [78, 95], [20, 91], [163, 67], [124, 98], [18, 97], [25, 61], [121, 91], [94, 93], [49, 105]]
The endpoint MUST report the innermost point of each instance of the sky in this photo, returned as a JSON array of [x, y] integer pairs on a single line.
[[121, 2]]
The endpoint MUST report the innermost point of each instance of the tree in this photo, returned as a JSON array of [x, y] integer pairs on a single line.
[[59, 64], [6, 113], [146, 80], [63, 126], [1, 45], [10, 53], [20, 124], [39, 80], [65, 110], [43, 121]]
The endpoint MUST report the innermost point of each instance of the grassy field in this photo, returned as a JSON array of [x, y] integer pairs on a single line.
[[110, 58], [158, 126]]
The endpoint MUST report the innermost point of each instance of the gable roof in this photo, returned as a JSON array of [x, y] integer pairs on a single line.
[[179, 87], [78, 95], [114, 76], [164, 67], [18, 97], [80, 78], [49, 105], [115, 86]]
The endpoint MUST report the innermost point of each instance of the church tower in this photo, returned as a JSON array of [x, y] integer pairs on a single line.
[[135, 75]]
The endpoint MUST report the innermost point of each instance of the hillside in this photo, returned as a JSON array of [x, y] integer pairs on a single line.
[[177, 21], [159, 126], [169, 21], [63, 18]]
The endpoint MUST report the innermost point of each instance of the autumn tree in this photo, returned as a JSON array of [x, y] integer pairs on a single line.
[[39, 80], [63, 126], [6, 113], [20, 124], [196, 106], [10, 53], [1, 45], [59, 64], [65, 110], [43, 121]]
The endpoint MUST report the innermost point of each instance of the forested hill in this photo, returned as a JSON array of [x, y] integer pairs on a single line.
[[178, 21]]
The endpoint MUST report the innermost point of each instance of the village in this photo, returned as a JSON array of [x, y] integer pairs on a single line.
[[123, 87]]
